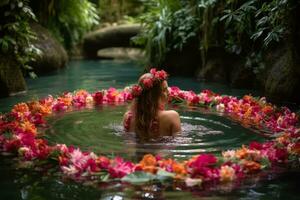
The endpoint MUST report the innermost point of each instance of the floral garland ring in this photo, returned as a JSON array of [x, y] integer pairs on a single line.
[[147, 82], [19, 136]]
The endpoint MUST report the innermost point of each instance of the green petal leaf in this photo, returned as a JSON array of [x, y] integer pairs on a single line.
[[138, 177]]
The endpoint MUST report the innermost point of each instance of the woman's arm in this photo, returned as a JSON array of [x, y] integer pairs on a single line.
[[126, 121]]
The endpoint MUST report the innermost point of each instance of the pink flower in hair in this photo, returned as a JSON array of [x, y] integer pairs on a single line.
[[161, 75], [147, 83], [136, 90]]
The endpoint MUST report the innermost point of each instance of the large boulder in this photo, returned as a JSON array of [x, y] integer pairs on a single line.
[[243, 77], [181, 62], [223, 67], [114, 36], [216, 68], [11, 77], [282, 82], [53, 55]]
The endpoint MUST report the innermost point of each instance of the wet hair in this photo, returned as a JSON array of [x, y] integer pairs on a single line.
[[146, 106]]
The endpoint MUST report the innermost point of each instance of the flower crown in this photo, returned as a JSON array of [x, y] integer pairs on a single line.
[[147, 83]]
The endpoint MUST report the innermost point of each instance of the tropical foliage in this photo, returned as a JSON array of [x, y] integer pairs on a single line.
[[246, 28], [68, 20], [168, 24], [112, 11], [15, 33]]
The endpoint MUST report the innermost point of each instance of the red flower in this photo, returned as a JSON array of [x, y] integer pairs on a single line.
[[147, 83], [98, 97], [153, 71], [204, 160], [136, 90], [255, 145], [161, 75]]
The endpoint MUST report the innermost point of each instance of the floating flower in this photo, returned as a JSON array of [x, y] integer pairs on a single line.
[[251, 166], [119, 168], [190, 182], [227, 173], [20, 107], [98, 97], [19, 135], [148, 163]]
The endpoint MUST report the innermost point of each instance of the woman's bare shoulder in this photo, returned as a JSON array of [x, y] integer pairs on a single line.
[[169, 114], [171, 119], [128, 112]]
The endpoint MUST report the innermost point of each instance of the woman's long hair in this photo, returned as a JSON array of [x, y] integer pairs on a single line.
[[146, 106]]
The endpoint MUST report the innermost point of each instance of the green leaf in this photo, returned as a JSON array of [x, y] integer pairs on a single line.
[[104, 177], [265, 163], [262, 21], [3, 2], [138, 177], [4, 45], [163, 175], [32, 75], [256, 35], [7, 135]]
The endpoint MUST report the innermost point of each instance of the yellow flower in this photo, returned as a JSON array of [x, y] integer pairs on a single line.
[[227, 173], [20, 107]]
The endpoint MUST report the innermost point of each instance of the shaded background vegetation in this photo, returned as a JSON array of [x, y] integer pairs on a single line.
[[245, 30]]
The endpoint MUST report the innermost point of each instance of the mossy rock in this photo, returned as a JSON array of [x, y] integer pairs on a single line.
[[282, 82], [243, 77], [11, 77], [223, 67], [180, 62], [213, 70], [53, 54], [114, 36]]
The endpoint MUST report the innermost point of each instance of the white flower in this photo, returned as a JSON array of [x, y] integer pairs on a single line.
[[220, 107], [71, 170], [229, 154], [89, 99], [190, 182]]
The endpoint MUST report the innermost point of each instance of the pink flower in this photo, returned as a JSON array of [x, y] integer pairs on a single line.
[[153, 71], [161, 75], [79, 101], [120, 168], [103, 162], [59, 106], [37, 118], [204, 160], [78, 159], [147, 83], [111, 95], [202, 165], [136, 90]]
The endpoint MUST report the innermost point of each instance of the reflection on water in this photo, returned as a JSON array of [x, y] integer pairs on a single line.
[[100, 130]]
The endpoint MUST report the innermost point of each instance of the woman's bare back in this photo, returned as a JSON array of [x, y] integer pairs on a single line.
[[168, 123]]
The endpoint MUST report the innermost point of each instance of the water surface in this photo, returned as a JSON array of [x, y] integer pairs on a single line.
[[100, 130]]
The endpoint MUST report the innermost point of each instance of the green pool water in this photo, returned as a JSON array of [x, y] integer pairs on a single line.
[[100, 130]]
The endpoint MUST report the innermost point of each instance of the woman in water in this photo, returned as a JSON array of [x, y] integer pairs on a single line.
[[147, 116]]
